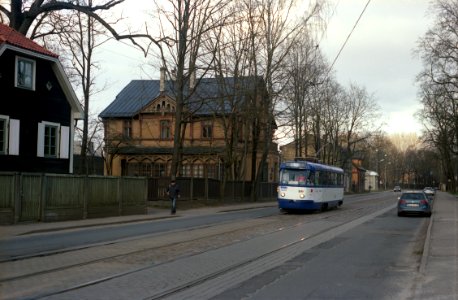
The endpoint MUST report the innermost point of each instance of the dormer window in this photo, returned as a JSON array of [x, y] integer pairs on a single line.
[[164, 106], [25, 73]]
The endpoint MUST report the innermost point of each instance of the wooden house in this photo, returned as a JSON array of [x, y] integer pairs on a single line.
[[38, 108], [307, 150], [219, 115]]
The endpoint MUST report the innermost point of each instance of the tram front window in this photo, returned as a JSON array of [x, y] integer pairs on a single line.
[[294, 177]]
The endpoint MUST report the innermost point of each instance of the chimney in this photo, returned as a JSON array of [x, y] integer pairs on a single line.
[[192, 80], [162, 80]]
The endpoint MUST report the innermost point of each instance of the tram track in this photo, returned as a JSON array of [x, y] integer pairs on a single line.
[[146, 259]]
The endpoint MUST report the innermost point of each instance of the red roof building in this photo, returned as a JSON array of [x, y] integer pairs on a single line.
[[10, 36]]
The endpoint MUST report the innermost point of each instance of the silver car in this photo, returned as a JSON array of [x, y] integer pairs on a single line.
[[414, 202]]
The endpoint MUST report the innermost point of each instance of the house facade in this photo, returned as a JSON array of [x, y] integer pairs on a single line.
[[288, 151], [38, 108], [140, 124], [358, 176]]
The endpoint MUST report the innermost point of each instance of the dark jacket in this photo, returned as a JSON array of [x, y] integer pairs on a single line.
[[173, 190]]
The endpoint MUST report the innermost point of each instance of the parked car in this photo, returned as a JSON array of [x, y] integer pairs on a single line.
[[429, 191], [414, 202], [397, 189]]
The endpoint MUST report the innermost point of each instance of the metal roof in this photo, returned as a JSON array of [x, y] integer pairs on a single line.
[[212, 95]]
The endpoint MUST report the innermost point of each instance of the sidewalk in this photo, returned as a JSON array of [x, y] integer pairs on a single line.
[[439, 265], [7, 231]]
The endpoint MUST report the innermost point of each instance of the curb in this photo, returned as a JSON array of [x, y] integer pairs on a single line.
[[425, 254]]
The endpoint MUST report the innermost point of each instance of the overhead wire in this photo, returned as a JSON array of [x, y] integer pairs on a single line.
[[346, 40]]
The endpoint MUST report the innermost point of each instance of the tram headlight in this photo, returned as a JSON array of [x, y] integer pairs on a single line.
[[302, 196], [282, 194]]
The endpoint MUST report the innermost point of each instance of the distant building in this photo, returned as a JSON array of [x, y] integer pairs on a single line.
[[371, 181], [358, 176], [288, 151], [38, 108]]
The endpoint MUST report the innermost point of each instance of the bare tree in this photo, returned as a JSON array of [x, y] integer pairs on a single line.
[[230, 44], [439, 85], [360, 113], [306, 69], [274, 30], [186, 25], [80, 36], [28, 16]]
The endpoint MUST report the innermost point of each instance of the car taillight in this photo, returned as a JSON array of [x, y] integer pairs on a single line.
[[423, 202], [402, 201]]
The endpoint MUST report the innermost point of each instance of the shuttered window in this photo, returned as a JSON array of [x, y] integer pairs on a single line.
[[53, 140]]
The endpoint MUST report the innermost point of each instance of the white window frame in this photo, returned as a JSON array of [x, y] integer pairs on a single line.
[[14, 132], [11, 137], [31, 85], [61, 140]]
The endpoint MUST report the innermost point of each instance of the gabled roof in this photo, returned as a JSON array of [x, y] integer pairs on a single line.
[[203, 101], [15, 41], [10, 36]]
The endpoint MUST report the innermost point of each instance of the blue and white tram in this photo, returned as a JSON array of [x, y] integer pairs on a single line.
[[307, 185]]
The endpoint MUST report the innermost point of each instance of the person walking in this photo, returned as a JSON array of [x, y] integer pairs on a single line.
[[173, 190]]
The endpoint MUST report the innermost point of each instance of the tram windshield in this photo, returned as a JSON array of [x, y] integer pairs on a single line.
[[296, 177]]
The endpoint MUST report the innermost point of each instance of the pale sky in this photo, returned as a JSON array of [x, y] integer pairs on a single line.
[[378, 56]]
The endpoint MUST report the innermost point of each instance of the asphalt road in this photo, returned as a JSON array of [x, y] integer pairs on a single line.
[[32, 245], [376, 260], [359, 251]]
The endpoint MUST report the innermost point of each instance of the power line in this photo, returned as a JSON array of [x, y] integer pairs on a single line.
[[348, 37]]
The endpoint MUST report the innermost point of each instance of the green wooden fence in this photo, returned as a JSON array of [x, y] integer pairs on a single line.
[[29, 197]]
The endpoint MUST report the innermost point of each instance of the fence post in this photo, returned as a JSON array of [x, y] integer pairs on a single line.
[[17, 197], [42, 205], [145, 197], [191, 188], [85, 193], [119, 195], [206, 188]]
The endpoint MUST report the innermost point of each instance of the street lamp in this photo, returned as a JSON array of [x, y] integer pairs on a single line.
[[384, 175], [385, 172]]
